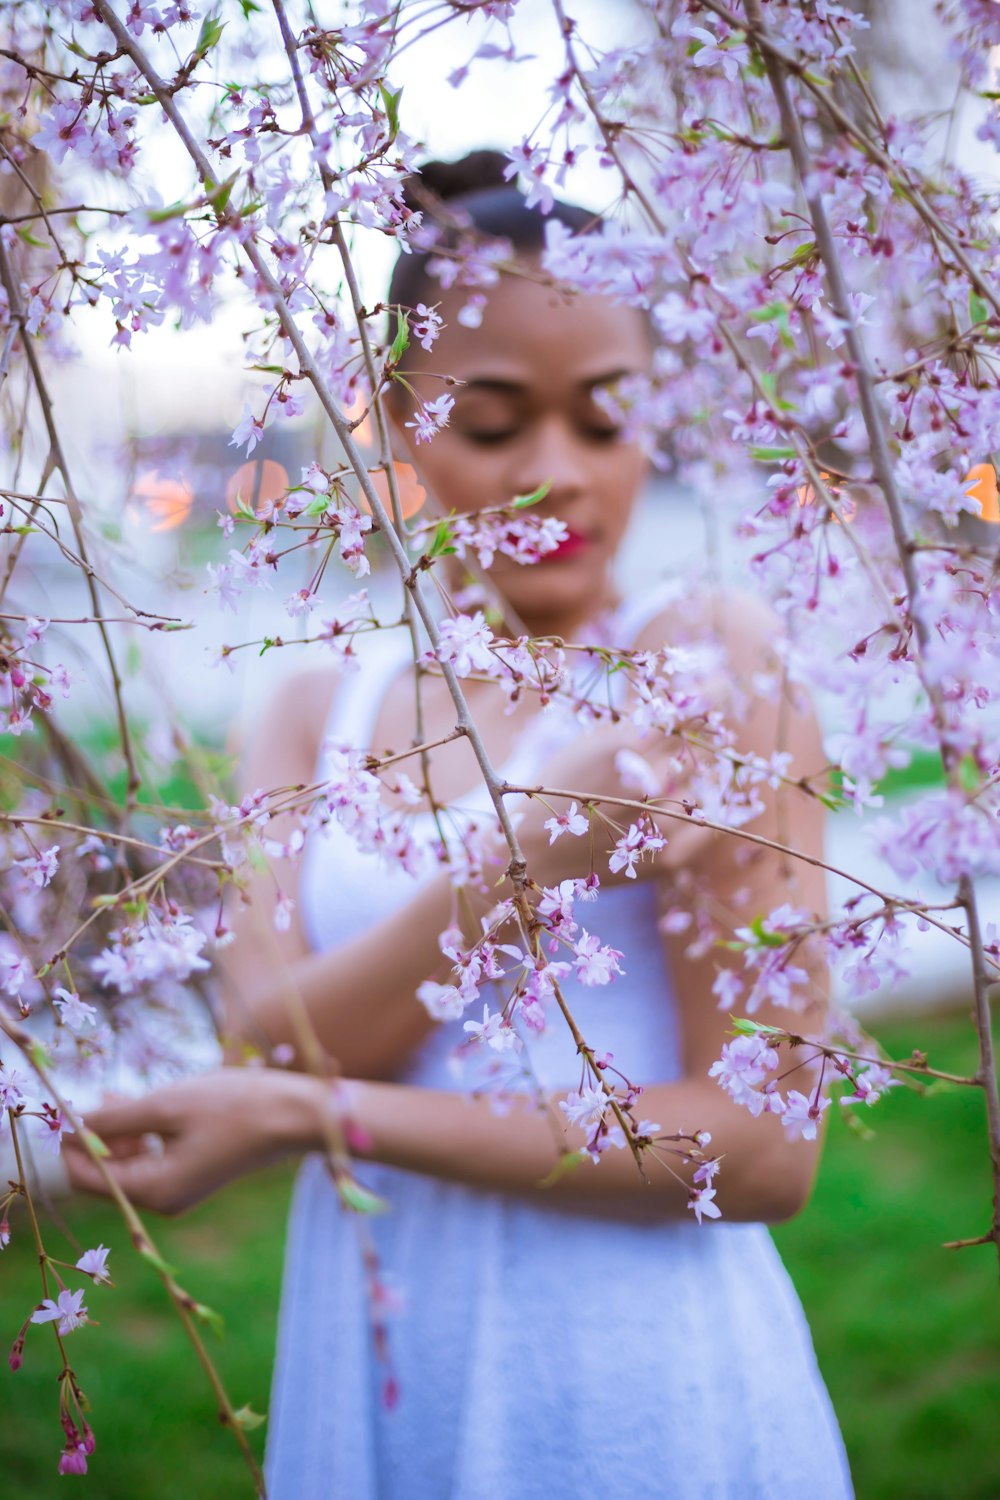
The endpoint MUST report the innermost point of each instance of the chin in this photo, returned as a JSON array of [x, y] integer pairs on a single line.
[[557, 589]]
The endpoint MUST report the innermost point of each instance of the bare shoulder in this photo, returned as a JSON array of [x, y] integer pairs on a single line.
[[751, 680], [742, 622]]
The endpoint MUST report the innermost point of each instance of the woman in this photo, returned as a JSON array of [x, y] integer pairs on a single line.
[[583, 1338]]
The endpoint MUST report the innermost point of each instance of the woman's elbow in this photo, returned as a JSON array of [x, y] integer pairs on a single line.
[[781, 1182]]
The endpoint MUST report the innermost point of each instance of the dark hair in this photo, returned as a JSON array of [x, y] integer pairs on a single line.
[[471, 198]]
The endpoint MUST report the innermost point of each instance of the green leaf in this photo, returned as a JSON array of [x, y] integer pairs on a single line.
[[441, 542], [745, 1027], [770, 386], [155, 1259], [96, 1144], [161, 215], [391, 102], [568, 1162], [209, 1316], [766, 938], [969, 777], [219, 197], [248, 8], [771, 455], [25, 234], [978, 307], [521, 502], [246, 1416], [211, 30], [805, 252], [315, 507], [39, 1054], [770, 313], [355, 1196], [402, 340]]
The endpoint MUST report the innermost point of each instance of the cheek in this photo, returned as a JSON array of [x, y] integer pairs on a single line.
[[460, 477], [622, 477]]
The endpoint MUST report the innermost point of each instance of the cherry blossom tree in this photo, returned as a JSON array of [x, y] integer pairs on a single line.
[[823, 287]]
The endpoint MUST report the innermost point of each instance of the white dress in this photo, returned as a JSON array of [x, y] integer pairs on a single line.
[[541, 1352]]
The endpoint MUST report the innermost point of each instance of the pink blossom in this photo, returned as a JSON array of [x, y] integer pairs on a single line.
[[67, 1307], [800, 1114], [40, 866], [465, 642], [585, 1106], [630, 848], [570, 821], [248, 432], [594, 963], [426, 325], [63, 129], [556, 903], [729, 987], [870, 1083], [11, 1090], [74, 1012], [494, 1030], [443, 1001], [702, 1203], [56, 1127], [431, 417], [93, 1263], [15, 970], [745, 1063]]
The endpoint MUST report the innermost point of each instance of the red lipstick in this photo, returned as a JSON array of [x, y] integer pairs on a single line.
[[573, 543]]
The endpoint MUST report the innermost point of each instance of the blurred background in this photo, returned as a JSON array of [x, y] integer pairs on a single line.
[[906, 1332]]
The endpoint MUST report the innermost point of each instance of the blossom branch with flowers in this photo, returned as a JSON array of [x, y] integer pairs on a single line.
[[718, 137]]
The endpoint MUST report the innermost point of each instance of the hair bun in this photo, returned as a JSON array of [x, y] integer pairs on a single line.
[[473, 173]]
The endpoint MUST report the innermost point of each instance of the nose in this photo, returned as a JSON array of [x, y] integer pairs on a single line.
[[553, 454]]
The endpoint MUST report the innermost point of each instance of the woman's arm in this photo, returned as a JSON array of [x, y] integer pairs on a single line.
[[360, 996], [224, 1124]]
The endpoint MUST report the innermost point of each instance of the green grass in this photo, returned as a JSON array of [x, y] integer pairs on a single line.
[[908, 1334]]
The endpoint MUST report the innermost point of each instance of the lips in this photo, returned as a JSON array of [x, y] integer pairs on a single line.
[[572, 545]]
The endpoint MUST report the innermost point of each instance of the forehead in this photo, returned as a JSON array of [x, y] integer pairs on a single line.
[[535, 335]]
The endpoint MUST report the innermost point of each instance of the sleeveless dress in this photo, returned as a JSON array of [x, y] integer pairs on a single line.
[[542, 1352]]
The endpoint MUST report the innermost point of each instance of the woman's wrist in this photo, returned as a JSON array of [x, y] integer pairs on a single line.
[[299, 1114]]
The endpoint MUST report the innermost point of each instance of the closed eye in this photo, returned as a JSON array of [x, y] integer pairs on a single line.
[[486, 438]]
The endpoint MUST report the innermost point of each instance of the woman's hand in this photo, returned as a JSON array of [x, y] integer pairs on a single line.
[[213, 1128]]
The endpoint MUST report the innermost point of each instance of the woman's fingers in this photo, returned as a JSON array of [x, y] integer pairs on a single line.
[[133, 1117], [149, 1179]]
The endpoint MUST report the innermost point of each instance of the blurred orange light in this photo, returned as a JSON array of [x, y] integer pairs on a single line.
[[982, 486], [848, 508], [257, 482], [411, 492], [166, 501]]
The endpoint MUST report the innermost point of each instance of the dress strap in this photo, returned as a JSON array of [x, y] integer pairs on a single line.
[[358, 695]]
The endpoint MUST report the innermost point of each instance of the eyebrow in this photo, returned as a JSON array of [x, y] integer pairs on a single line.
[[506, 387]]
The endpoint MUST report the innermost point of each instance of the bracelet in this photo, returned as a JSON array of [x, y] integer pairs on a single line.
[[345, 1093]]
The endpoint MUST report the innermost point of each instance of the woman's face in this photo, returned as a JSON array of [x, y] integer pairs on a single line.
[[524, 416]]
